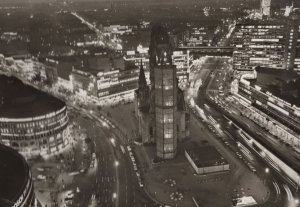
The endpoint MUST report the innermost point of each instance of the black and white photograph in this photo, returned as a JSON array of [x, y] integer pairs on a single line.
[[149, 103]]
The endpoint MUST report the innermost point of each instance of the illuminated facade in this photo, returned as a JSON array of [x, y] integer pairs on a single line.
[[15, 180], [265, 7], [160, 107], [32, 122], [183, 60], [282, 111], [165, 110], [197, 37], [270, 44], [99, 84]]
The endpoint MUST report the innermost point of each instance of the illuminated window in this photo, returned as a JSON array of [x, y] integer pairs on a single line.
[[168, 148], [168, 87], [168, 117], [168, 136]]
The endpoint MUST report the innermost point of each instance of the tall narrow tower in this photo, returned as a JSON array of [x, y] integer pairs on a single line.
[[161, 111], [164, 92], [265, 7]]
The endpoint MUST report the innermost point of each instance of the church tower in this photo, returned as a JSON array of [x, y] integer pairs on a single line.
[[160, 107], [143, 90], [164, 87]]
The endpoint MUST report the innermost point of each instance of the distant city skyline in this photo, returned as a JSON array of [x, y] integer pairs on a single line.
[[131, 103], [215, 3]]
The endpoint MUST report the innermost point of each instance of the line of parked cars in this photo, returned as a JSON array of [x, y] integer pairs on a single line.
[[135, 166]]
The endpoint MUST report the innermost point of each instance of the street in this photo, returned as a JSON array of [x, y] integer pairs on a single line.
[[116, 185], [281, 190]]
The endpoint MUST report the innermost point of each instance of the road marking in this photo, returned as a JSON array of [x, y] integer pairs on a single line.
[[229, 135], [247, 154], [272, 163], [288, 192], [276, 187], [245, 151]]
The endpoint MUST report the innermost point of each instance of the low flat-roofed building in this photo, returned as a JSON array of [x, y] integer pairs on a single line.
[[244, 201], [206, 160]]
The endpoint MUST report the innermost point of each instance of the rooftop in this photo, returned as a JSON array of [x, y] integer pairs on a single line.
[[22, 101], [281, 83], [14, 174], [206, 156], [281, 20], [90, 64]]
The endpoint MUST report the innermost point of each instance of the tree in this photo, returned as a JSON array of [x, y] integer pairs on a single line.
[[37, 77]]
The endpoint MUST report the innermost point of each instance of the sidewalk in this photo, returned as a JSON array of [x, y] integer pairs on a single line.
[[174, 182]]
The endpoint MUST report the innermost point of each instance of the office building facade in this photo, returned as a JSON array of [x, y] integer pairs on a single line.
[[265, 7], [269, 44]]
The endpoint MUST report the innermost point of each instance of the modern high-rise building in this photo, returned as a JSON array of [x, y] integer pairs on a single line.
[[160, 109], [270, 44], [265, 7], [292, 53], [183, 60]]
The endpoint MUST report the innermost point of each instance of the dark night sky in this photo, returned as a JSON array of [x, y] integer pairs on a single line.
[[221, 3], [33, 1]]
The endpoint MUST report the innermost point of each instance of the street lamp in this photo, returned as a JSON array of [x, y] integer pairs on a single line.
[[117, 163], [267, 170], [112, 140], [114, 196]]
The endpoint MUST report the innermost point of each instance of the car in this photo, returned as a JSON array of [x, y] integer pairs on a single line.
[[69, 201], [253, 170], [70, 195], [40, 169], [41, 177]]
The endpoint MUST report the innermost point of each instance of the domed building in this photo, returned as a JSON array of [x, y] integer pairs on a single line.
[[31, 121], [15, 180]]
